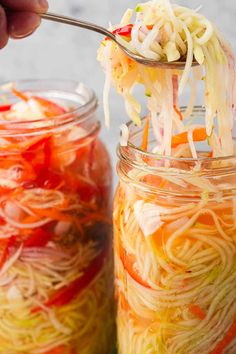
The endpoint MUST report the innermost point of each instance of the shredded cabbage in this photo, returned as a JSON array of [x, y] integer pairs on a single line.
[[174, 221], [56, 293], [166, 33]]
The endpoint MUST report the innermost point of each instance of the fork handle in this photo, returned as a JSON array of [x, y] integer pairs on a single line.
[[78, 23]]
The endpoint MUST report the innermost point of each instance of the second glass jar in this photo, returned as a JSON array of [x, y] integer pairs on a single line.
[[175, 252], [56, 283]]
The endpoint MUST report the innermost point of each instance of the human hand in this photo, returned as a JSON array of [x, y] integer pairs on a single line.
[[20, 19]]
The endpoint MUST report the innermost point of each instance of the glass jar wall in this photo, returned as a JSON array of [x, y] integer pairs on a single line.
[[175, 253], [55, 230]]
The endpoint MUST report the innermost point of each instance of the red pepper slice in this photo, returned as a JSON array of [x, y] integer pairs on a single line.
[[5, 108], [62, 349], [124, 31], [39, 238], [35, 147], [52, 109], [128, 262], [197, 311], [10, 243], [68, 293], [5, 190], [49, 180], [230, 335], [86, 191], [39, 154]]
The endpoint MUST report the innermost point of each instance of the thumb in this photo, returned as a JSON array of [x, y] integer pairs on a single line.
[[22, 24]]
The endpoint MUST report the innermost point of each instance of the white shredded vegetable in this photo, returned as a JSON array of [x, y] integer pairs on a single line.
[[167, 32]]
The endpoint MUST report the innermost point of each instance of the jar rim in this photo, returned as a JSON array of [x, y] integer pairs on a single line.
[[122, 150], [85, 106], [133, 157]]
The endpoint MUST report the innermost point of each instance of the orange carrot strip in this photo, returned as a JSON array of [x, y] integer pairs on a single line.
[[5, 254], [27, 144], [123, 302], [178, 112], [164, 184], [210, 154], [144, 145], [128, 262], [160, 238], [153, 180], [206, 219], [20, 95], [199, 134], [157, 239], [52, 214], [197, 311], [229, 336], [62, 349]]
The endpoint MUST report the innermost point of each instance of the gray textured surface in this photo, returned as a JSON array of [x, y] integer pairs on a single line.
[[57, 51]]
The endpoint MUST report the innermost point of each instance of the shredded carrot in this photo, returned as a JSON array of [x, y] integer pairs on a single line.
[[199, 134], [210, 154], [206, 219], [123, 302], [20, 95], [128, 262], [164, 184], [51, 214], [229, 336], [160, 238], [178, 112], [62, 349], [157, 239], [155, 181], [5, 254], [144, 145], [197, 311], [26, 144]]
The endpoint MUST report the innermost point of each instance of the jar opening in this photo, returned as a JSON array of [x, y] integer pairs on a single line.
[[175, 175], [79, 102], [135, 155]]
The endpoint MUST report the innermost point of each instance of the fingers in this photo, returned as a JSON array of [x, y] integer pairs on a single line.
[[22, 24], [19, 24], [3, 29], [26, 5]]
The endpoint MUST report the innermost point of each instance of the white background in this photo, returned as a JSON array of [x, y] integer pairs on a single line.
[[58, 51]]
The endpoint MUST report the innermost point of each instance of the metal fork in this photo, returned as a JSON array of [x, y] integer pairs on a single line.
[[99, 29]]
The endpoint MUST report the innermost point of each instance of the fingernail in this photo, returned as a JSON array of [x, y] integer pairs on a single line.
[[20, 36], [16, 31]]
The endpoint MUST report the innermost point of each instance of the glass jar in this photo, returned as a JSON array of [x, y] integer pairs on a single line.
[[56, 270], [175, 252]]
